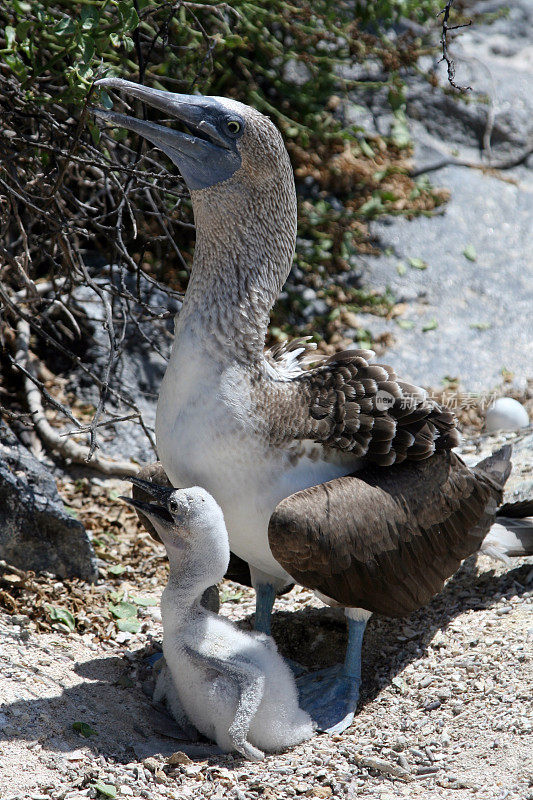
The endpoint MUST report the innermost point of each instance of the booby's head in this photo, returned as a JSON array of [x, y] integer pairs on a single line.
[[227, 139], [190, 524], [241, 182]]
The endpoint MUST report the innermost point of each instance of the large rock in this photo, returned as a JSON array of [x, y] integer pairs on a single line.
[[35, 530], [468, 315]]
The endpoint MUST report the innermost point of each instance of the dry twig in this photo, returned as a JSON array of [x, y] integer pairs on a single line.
[[52, 440], [444, 42]]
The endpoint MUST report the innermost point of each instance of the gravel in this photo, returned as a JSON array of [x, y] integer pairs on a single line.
[[445, 708]]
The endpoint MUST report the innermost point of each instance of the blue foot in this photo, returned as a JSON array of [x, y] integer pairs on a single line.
[[297, 669], [330, 697]]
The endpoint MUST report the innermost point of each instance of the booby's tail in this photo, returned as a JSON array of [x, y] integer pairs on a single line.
[[512, 534], [497, 467]]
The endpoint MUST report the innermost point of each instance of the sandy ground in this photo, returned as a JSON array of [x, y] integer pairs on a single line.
[[445, 710], [446, 701]]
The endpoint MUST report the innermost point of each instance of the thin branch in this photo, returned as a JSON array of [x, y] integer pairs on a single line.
[[50, 437], [458, 162], [444, 42], [40, 385]]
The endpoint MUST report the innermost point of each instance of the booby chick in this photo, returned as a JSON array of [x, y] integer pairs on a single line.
[[257, 431], [233, 686]]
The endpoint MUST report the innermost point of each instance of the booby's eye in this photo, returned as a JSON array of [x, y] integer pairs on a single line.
[[233, 126]]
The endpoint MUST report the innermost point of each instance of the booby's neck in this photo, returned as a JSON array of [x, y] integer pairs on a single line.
[[190, 574], [245, 241]]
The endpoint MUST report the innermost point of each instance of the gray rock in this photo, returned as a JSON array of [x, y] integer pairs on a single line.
[[138, 372], [482, 308], [35, 530], [469, 319]]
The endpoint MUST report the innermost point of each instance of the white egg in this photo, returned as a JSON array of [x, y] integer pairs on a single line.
[[506, 414]]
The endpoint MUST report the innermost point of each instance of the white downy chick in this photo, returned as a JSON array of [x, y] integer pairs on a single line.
[[232, 685]]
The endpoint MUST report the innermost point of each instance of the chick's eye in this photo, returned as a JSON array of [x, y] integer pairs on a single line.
[[233, 126]]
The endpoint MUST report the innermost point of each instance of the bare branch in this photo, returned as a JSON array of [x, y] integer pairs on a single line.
[[444, 42], [50, 437]]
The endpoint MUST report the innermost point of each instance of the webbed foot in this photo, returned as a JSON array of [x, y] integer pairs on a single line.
[[330, 697]]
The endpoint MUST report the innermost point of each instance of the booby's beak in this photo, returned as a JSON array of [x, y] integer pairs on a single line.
[[153, 512], [209, 154], [161, 493]]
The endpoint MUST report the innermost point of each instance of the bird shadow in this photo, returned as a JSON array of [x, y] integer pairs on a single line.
[[127, 725], [317, 637]]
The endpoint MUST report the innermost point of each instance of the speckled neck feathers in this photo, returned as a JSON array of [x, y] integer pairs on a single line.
[[246, 232]]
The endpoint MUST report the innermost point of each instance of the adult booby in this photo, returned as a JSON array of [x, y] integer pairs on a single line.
[[275, 443], [231, 684]]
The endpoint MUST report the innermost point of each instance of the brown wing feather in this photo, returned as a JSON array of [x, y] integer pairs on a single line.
[[361, 408], [389, 541]]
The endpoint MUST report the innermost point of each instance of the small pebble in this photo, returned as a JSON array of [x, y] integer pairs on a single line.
[[403, 762]]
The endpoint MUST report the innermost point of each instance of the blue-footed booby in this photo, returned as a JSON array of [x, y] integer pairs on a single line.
[[232, 685], [339, 476]]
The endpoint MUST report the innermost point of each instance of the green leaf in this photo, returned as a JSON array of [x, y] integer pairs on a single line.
[[88, 50], [106, 789], [89, 17], [128, 16], [129, 624], [418, 263], [372, 206], [399, 131], [21, 7], [105, 100], [123, 610], [22, 29], [144, 601], [401, 269], [116, 569], [406, 324], [61, 615], [470, 252], [11, 36], [84, 728], [65, 27], [366, 149], [431, 325], [16, 64], [95, 135], [480, 326]]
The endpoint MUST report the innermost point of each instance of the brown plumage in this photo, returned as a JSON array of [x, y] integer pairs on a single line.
[[360, 408], [386, 542]]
